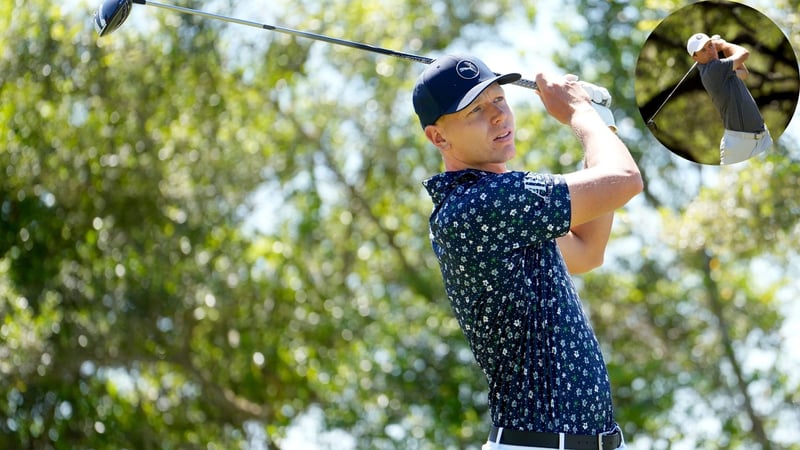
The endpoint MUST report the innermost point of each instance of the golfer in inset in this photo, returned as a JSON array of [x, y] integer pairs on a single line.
[[746, 134]]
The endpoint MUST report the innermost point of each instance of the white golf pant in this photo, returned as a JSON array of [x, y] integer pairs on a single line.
[[737, 146]]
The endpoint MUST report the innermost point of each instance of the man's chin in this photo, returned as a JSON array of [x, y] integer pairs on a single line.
[[508, 153]]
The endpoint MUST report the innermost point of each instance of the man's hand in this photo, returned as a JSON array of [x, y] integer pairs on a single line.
[[601, 102], [562, 99], [562, 96], [597, 94]]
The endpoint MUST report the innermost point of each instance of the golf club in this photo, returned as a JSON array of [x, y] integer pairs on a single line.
[[112, 13], [650, 122]]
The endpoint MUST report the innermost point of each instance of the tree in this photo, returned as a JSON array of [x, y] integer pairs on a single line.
[[143, 308], [120, 232], [129, 279]]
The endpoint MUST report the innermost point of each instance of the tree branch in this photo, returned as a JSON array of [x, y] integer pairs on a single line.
[[716, 307]]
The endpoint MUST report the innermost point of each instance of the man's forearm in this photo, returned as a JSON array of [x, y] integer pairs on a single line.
[[601, 145], [742, 72], [591, 238], [594, 235], [736, 52]]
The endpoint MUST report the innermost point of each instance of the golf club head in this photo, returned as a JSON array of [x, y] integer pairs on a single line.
[[110, 15]]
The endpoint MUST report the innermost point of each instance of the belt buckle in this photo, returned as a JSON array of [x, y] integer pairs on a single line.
[[600, 436]]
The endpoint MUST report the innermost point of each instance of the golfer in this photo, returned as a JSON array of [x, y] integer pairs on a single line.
[[507, 242], [746, 134]]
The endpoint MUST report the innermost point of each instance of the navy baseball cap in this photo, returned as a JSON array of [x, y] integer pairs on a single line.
[[450, 83]]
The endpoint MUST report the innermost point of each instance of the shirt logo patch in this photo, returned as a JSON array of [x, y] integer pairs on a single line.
[[535, 184]]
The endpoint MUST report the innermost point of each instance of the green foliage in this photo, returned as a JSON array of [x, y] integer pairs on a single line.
[[143, 306]]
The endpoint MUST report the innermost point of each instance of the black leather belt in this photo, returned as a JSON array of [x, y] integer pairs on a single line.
[[551, 440], [755, 135]]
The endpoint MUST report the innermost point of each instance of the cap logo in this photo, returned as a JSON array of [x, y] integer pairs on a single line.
[[467, 70]]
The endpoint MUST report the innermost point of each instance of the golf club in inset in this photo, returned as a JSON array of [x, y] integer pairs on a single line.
[[112, 13], [650, 123]]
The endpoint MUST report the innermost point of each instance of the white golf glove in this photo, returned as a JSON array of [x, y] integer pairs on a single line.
[[601, 101]]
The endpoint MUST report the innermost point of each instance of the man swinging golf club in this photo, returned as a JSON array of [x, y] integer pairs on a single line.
[[507, 240], [746, 134]]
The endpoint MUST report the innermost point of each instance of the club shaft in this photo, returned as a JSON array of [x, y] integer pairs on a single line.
[[305, 34], [673, 91]]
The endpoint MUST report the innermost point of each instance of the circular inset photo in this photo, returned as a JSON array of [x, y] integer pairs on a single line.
[[717, 82]]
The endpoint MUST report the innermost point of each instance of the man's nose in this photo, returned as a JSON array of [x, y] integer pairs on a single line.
[[498, 113]]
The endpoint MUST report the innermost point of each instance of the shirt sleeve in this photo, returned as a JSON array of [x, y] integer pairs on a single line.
[[720, 69], [516, 209]]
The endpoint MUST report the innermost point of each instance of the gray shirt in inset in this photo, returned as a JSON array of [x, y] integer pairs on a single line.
[[730, 96]]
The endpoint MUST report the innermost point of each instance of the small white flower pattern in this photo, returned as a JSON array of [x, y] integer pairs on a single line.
[[494, 236]]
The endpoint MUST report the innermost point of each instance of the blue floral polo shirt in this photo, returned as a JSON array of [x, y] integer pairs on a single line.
[[494, 236]]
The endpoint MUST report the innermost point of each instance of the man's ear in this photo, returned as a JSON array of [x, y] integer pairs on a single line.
[[434, 134]]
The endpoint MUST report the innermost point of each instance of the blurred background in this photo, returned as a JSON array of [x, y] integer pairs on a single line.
[[216, 237]]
